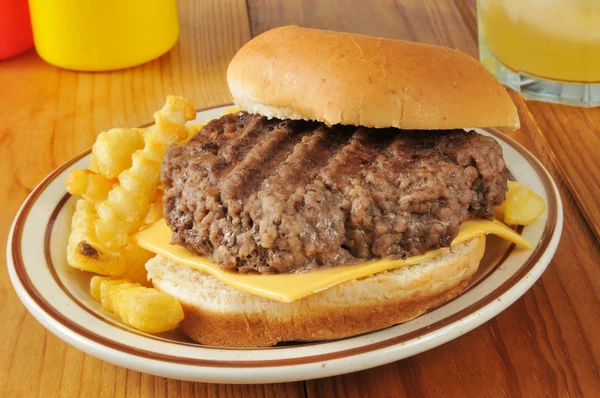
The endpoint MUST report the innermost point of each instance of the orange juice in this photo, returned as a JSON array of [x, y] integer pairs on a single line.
[[551, 39]]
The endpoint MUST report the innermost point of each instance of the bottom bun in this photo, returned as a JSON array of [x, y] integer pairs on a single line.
[[219, 315]]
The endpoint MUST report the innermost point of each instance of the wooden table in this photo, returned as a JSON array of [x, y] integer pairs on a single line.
[[547, 343]]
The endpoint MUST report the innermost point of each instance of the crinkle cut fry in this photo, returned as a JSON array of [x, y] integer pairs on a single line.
[[123, 212], [86, 253], [143, 308]]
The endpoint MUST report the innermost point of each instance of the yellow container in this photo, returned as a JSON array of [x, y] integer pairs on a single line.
[[99, 35]]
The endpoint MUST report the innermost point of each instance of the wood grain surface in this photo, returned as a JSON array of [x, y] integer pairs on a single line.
[[545, 344]]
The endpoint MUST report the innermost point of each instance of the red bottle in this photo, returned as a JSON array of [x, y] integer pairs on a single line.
[[15, 28]]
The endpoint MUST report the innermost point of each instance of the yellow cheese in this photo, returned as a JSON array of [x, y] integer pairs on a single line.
[[472, 228], [290, 287]]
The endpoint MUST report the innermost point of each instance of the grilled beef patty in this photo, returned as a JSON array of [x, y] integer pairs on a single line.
[[282, 196]]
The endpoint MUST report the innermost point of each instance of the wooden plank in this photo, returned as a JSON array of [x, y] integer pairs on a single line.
[[50, 115], [435, 22], [544, 344], [573, 135]]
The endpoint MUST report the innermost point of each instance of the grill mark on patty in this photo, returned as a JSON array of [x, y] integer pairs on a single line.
[[281, 228], [345, 174], [265, 167], [282, 196], [243, 175], [228, 139], [350, 159], [236, 146], [308, 157]]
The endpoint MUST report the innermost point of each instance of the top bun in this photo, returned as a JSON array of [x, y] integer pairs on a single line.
[[341, 78]]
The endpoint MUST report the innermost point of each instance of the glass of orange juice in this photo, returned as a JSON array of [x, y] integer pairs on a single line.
[[549, 50]]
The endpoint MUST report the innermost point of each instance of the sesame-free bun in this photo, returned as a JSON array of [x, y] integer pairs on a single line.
[[219, 315], [332, 77]]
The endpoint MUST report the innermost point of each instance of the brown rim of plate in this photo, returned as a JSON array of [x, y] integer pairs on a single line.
[[191, 343], [536, 254], [118, 324]]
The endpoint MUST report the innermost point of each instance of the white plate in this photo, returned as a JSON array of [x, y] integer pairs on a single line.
[[58, 296]]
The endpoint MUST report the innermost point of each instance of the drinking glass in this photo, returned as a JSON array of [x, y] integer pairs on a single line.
[[549, 50]]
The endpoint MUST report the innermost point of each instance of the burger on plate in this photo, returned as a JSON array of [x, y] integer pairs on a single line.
[[346, 197]]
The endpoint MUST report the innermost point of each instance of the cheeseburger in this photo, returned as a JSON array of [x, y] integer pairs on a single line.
[[344, 198]]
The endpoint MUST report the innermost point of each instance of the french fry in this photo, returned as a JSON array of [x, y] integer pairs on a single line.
[[522, 205], [95, 284], [86, 253], [155, 212], [135, 268], [92, 186], [111, 153], [150, 310], [77, 181], [93, 166], [107, 286], [145, 309], [121, 193], [127, 205]]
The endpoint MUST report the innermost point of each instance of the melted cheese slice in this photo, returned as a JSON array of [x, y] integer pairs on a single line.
[[290, 287]]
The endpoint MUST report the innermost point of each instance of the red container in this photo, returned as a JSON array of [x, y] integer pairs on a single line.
[[15, 28]]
